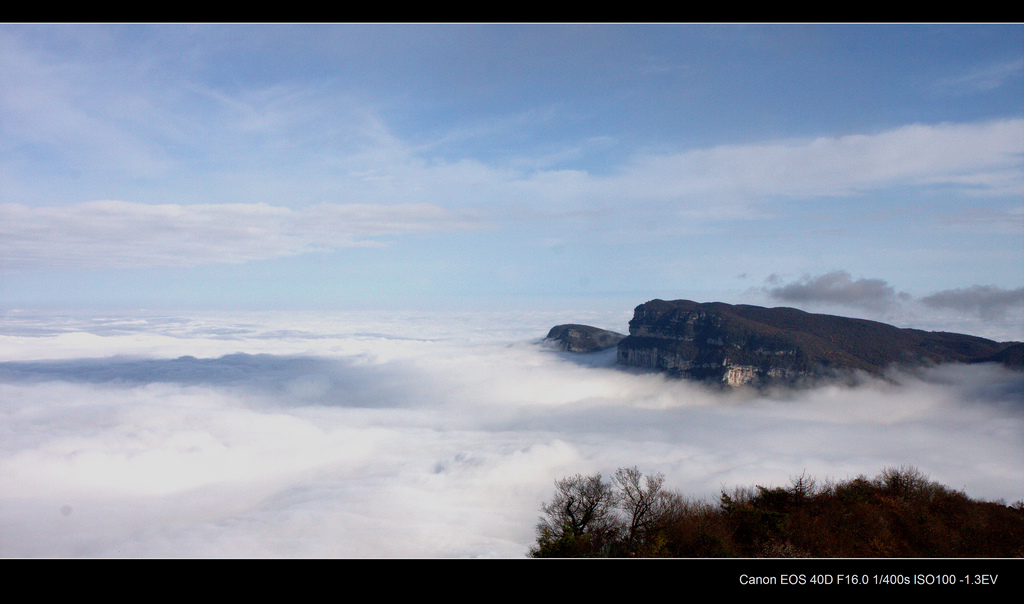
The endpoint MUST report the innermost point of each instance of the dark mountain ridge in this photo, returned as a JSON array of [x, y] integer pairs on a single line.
[[739, 344]]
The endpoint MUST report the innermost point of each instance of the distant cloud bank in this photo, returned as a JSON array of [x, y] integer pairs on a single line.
[[119, 234]]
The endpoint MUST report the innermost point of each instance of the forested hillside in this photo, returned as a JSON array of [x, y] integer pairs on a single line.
[[899, 513]]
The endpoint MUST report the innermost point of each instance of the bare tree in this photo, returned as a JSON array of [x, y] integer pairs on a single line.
[[644, 503], [627, 517], [803, 487], [579, 519]]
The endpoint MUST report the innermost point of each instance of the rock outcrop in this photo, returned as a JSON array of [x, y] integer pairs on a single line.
[[582, 338], [751, 345]]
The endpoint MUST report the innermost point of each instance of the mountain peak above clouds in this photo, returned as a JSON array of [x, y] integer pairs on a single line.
[[740, 345]]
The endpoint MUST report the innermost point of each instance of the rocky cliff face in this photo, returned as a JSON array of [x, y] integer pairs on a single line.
[[582, 338], [738, 345]]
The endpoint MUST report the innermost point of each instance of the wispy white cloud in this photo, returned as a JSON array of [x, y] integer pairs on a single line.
[[753, 180], [315, 140], [115, 119], [118, 234], [984, 220], [984, 79], [235, 134], [311, 136], [984, 158]]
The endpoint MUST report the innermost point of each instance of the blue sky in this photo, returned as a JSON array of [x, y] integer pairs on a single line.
[[861, 169]]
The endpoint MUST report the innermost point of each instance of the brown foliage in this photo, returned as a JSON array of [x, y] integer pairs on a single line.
[[899, 513]]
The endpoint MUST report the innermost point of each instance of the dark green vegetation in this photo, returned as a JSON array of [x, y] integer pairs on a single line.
[[899, 513], [743, 344]]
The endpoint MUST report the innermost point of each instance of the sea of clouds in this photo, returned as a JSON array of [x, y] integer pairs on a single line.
[[419, 434]]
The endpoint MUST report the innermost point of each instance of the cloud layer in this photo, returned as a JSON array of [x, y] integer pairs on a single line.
[[414, 435]]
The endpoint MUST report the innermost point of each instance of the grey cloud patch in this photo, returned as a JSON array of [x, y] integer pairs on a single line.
[[837, 287], [986, 301], [294, 380], [119, 234]]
